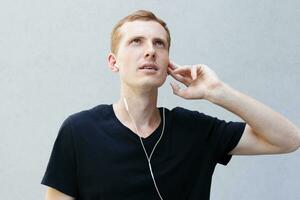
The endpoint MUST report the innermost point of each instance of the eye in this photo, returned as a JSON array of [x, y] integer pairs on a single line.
[[136, 41], [159, 43]]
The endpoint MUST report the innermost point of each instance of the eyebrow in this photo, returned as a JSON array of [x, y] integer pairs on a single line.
[[142, 37]]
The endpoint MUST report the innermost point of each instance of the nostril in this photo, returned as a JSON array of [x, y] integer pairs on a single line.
[[148, 55]]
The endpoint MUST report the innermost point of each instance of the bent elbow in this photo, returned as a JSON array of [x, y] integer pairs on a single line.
[[292, 149], [298, 141], [295, 144]]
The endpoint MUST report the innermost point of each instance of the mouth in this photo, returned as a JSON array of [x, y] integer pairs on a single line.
[[149, 67]]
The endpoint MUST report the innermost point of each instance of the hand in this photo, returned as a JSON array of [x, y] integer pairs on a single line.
[[200, 80]]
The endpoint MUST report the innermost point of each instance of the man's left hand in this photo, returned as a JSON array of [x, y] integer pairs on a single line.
[[199, 79]]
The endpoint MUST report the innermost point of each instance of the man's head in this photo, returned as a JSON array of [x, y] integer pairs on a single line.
[[140, 46], [141, 15]]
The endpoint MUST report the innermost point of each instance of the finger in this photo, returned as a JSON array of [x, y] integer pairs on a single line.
[[183, 69], [170, 69], [177, 90], [170, 66], [185, 80], [194, 72], [173, 65], [201, 68]]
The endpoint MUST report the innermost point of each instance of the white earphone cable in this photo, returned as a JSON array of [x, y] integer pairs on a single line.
[[148, 157]]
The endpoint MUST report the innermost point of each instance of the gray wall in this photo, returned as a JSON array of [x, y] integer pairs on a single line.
[[53, 62]]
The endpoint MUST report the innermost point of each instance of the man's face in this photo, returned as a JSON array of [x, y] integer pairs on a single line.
[[143, 54]]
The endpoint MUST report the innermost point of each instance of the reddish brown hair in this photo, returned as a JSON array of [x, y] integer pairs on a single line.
[[142, 15]]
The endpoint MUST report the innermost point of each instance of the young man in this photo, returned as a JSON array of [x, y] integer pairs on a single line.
[[133, 150]]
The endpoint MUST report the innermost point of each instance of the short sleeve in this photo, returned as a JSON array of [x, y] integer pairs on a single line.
[[228, 135], [61, 170], [222, 136]]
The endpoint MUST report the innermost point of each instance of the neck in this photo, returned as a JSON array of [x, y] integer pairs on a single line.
[[142, 110]]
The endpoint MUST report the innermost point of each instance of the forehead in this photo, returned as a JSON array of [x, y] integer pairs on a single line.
[[149, 29]]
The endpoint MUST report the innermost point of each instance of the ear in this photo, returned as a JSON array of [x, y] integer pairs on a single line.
[[112, 62]]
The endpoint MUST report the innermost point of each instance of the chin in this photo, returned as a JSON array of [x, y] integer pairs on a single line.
[[147, 84], [152, 84]]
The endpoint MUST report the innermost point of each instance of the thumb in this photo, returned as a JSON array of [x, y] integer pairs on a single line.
[[177, 90]]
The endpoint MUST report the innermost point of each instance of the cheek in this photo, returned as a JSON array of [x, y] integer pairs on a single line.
[[165, 61], [130, 55], [164, 56]]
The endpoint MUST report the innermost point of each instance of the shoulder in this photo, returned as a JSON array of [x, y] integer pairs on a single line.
[[89, 116], [193, 119], [182, 113]]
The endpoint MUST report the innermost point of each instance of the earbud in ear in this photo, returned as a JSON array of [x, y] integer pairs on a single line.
[[117, 66]]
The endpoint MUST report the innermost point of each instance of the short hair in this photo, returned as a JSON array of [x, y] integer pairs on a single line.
[[143, 15]]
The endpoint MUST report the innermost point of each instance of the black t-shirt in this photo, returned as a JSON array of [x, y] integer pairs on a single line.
[[96, 157]]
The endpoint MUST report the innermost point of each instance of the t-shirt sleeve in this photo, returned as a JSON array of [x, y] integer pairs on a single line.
[[222, 136], [61, 170]]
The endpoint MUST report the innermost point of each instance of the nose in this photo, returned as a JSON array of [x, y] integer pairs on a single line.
[[150, 52]]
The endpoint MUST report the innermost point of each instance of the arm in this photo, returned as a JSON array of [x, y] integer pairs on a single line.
[[53, 194], [266, 132]]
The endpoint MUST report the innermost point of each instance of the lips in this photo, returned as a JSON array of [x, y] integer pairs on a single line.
[[149, 66]]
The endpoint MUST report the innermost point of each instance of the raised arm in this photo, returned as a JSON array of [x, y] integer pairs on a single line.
[[266, 132]]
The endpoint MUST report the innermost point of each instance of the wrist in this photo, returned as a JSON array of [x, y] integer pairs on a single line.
[[218, 93]]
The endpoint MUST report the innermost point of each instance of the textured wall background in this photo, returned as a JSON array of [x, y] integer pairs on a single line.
[[53, 62]]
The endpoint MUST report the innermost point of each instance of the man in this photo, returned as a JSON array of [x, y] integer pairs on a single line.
[[134, 150]]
